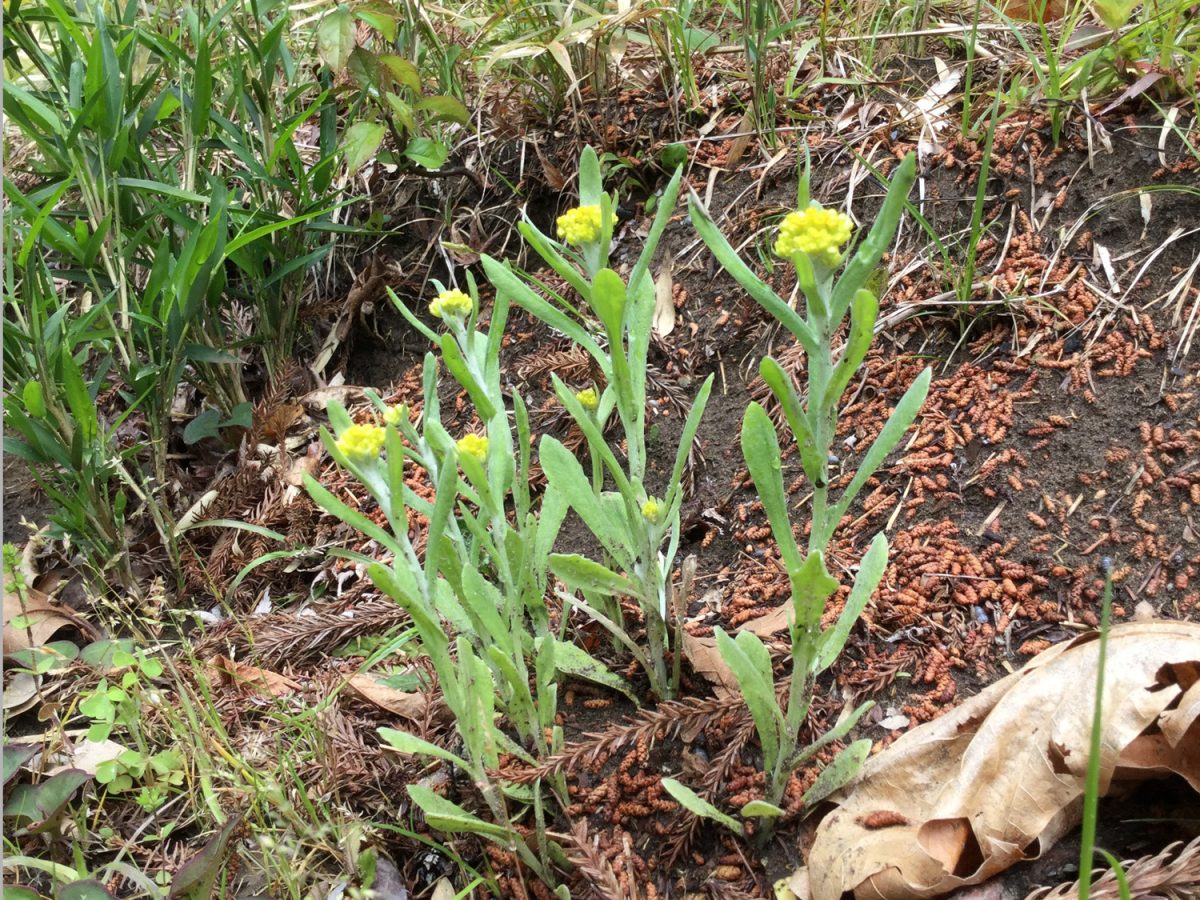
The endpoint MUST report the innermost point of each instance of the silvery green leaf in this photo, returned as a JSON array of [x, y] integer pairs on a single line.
[[870, 573], [751, 283], [839, 773], [902, 416], [698, 806], [748, 659], [760, 447], [571, 659]]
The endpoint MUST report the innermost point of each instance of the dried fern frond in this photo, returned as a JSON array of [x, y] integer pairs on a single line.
[[667, 721], [1173, 874], [600, 881], [300, 637]]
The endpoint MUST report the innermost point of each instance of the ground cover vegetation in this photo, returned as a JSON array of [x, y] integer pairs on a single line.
[[627, 450]]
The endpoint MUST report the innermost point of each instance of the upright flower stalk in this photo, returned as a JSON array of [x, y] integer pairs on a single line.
[[812, 238], [638, 532]]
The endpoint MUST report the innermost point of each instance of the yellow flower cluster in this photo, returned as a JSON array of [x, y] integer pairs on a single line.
[[394, 415], [588, 399], [817, 231], [361, 442], [580, 225], [475, 445], [651, 510], [453, 303]]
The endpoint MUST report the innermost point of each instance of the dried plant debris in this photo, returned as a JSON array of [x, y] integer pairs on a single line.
[[999, 778], [1173, 874]]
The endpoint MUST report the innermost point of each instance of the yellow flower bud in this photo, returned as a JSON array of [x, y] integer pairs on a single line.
[[588, 399], [651, 510], [475, 445], [394, 415], [361, 443], [816, 231], [452, 304], [580, 225]]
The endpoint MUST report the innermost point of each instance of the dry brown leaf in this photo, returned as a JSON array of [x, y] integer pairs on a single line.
[[45, 619], [664, 300], [243, 675], [406, 704], [777, 620], [706, 660], [1000, 778]]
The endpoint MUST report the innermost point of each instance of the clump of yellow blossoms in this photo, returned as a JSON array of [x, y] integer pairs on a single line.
[[588, 399], [452, 303], [580, 225], [817, 231], [394, 415], [475, 445], [651, 510], [361, 442]]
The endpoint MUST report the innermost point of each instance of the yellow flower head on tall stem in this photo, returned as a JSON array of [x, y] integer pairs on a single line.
[[452, 304], [361, 443], [588, 399], [580, 225], [652, 510], [474, 445], [816, 231]]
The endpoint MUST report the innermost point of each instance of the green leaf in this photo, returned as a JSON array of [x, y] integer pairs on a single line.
[[383, 22], [443, 108], [335, 38], [864, 310], [877, 241], [1114, 13], [902, 416], [447, 816], [197, 877], [504, 279], [15, 756], [751, 283], [870, 573], [760, 447], [584, 574], [403, 742], [812, 586], [33, 398], [690, 425], [591, 185], [202, 426], [750, 662], [571, 659], [81, 890], [360, 142], [608, 300], [564, 472], [698, 806], [457, 366], [427, 152], [839, 773], [761, 809], [403, 71], [39, 805], [784, 392]]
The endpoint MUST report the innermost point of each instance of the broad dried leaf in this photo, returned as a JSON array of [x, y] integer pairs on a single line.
[[406, 704], [706, 660], [45, 619], [664, 300], [242, 675], [999, 779]]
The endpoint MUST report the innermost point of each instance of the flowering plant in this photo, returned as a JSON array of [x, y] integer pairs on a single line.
[[811, 239], [638, 532]]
